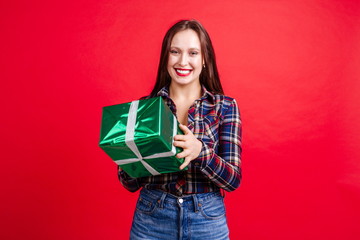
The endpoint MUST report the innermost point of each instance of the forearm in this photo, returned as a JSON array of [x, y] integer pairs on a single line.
[[223, 173], [223, 166]]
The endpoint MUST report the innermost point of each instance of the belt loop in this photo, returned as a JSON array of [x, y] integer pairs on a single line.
[[161, 200], [196, 203]]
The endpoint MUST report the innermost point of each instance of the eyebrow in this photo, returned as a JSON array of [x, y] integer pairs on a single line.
[[189, 48]]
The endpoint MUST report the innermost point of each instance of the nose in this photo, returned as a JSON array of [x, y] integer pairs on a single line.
[[183, 60]]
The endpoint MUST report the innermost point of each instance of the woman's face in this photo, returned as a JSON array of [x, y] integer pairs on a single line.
[[185, 58]]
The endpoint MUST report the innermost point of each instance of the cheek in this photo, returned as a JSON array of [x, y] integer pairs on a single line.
[[169, 64], [197, 63], [171, 61]]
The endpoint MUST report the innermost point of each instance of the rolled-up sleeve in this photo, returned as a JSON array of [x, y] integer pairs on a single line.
[[131, 184]]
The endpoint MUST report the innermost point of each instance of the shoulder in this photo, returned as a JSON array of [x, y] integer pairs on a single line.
[[224, 103], [222, 106]]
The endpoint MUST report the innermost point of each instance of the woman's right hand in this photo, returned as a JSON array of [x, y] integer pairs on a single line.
[[189, 143]]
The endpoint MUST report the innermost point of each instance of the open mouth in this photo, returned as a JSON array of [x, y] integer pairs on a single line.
[[182, 72]]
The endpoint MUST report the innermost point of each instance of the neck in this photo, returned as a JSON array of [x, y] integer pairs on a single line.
[[188, 92]]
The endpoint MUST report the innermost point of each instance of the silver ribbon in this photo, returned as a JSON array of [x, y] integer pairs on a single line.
[[130, 142]]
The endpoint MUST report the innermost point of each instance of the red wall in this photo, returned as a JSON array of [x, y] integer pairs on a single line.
[[293, 67]]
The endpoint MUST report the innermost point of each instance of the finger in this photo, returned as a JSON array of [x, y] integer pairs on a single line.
[[185, 163], [180, 144], [179, 137], [185, 129], [183, 154]]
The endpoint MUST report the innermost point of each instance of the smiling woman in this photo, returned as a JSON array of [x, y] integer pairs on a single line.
[[185, 58], [189, 203]]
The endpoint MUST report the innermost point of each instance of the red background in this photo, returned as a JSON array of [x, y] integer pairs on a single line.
[[293, 67]]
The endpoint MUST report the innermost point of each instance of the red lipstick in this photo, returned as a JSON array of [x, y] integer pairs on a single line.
[[182, 72]]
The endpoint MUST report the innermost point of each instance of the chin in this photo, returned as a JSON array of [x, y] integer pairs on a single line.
[[182, 81]]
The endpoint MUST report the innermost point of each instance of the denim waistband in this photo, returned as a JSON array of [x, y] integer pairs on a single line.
[[195, 199], [159, 193]]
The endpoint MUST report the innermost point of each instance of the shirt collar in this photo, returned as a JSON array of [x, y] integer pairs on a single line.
[[164, 92]]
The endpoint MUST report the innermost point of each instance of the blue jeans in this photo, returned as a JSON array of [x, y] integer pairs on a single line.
[[160, 215]]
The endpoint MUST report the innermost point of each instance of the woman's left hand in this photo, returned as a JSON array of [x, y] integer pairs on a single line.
[[191, 145]]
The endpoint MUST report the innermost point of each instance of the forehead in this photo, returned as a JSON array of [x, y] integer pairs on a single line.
[[186, 39]]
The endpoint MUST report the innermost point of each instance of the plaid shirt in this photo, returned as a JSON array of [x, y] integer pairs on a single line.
[[215, 121]]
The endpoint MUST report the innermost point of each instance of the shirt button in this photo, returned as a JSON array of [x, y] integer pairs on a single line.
[[197, 164], [181, 200]]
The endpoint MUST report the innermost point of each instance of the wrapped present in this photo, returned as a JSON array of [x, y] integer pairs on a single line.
[[138, 136]]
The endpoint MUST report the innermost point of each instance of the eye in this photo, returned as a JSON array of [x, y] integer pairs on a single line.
[[194, 53], [173, 51]]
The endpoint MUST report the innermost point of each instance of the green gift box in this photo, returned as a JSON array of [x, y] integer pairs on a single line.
[[139, 135]]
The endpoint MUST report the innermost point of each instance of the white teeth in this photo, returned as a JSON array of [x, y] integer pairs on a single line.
[[183, 71]]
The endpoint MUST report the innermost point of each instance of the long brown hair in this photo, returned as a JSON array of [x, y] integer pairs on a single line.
[[209, 76]]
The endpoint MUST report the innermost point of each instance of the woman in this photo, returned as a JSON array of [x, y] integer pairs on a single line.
[[189, 204]]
